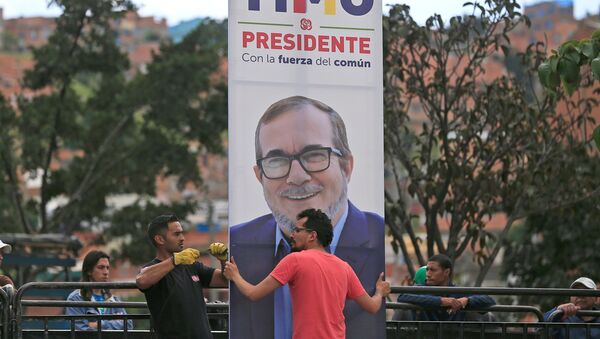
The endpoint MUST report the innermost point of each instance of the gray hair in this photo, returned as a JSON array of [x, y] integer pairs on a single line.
[[340, 140]]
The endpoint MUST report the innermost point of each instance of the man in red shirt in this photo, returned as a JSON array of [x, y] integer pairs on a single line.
[[319, 282]]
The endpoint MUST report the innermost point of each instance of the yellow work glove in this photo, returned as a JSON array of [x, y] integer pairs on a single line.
[[219, 250], [186, 257]]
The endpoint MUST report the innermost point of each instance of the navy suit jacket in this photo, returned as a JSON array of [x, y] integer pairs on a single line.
[[252, 244]]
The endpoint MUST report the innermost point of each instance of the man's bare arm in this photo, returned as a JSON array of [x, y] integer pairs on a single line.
[[252, 292], [373, 304]]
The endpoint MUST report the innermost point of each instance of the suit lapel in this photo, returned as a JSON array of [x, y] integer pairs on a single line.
[[354, 240]]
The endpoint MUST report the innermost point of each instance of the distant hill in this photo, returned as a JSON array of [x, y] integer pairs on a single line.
[[178, 31]]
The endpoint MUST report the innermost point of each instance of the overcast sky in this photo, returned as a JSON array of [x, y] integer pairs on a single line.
[[177, 10]]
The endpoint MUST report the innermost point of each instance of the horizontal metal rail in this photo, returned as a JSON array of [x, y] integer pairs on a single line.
[[581, 313], [124, 304], [482, 329], [436, 290], [88, 316], [495, 308]]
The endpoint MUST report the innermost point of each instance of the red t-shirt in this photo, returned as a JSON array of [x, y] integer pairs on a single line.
[[319, 285]]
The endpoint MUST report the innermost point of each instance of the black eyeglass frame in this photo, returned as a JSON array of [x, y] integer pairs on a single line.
[[297, 156]]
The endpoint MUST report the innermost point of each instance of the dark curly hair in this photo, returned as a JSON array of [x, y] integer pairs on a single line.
[[320, 223]]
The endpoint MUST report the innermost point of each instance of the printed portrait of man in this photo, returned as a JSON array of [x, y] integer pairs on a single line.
[[303, 160]]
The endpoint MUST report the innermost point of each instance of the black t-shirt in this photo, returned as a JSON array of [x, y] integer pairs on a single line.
[[176, 302]]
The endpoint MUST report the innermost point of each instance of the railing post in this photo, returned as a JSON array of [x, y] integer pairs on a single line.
[[5, 300]]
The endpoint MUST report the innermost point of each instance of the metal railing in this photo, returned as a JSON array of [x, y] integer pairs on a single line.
[[492, 329], [487, 329], [437, 290], [13, 316], [4, 313], [214, 310], [496, 308]]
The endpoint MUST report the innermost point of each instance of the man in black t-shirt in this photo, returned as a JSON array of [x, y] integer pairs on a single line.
[[173, 282]]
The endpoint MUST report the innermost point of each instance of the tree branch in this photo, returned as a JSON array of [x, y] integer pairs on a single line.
[[92, 172], [15, 192], [53, 144]]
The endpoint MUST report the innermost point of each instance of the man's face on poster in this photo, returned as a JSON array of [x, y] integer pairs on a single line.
[[293, 133]]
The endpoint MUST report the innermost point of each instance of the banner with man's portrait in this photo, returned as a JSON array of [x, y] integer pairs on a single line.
[[305, 131]]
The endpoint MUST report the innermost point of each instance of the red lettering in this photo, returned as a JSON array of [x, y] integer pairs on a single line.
[[306, 42], [276, 40], [351, 40], [310, 42], [337, 44], [299, 6], [289, 42], [364, 45], [246, 38], [323, 43], [261, 40]]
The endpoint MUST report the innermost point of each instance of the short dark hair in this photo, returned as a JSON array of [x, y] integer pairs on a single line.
[[89, 262], [320, 223], [443, 260], [159, 225]]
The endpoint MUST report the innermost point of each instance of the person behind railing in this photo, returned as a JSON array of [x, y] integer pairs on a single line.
[[4, 279], [319, 282], [443, 308], [96, 268], [569, 313], [419, 279], [173, 282]]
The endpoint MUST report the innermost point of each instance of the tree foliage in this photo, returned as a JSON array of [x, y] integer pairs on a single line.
[[565, 65], [554, 248], [462, 146], [91, 133]]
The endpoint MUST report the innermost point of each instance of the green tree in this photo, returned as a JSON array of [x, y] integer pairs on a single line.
[[462, 146], [554, 248], [565, 66], [120, 134]]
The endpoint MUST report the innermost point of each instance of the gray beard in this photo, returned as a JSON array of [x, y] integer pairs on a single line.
[[287, 225]]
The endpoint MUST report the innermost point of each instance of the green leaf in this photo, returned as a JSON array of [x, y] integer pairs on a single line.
[[544, 74], [573, 56], [548, 77], [554, 63], [596, 68], [596, 137], [567, 47], [568, 70], [570, 87], [596, 35], [587, 49], [554, 80]]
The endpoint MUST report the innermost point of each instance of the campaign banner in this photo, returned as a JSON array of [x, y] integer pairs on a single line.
[[305, 83]]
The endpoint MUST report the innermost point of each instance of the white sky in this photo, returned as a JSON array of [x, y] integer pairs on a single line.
[[178, 10]]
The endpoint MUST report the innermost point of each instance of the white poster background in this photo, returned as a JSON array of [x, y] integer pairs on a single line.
[[355, 92]]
